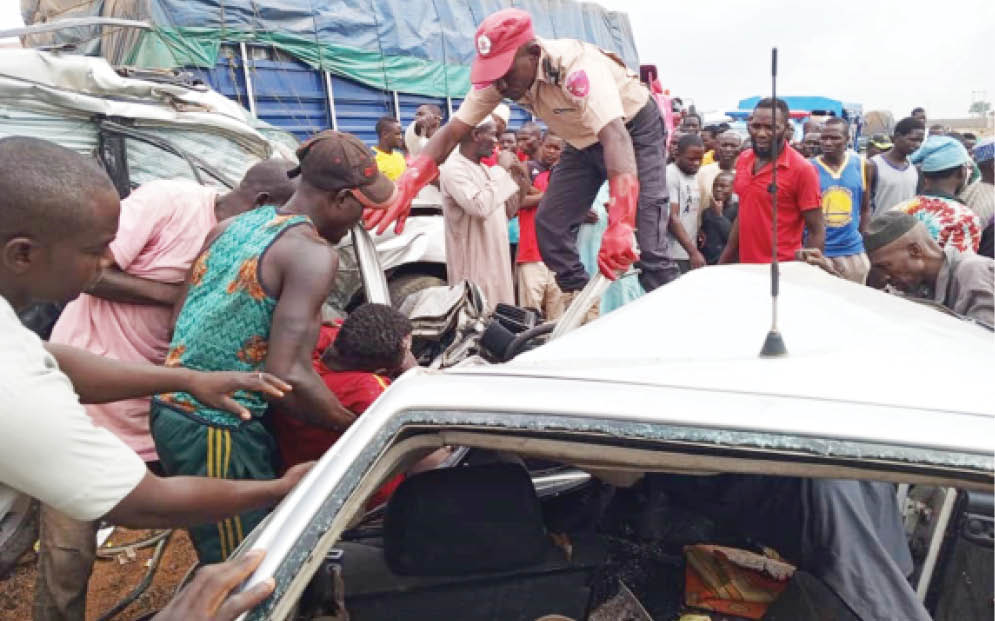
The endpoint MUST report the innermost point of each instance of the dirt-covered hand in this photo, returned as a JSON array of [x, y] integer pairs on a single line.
[[207, 598]]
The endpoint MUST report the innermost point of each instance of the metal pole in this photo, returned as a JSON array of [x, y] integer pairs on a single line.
[[935, 541], [774, 344], [449, 105], [331, 101], [397, 107], [248, 78]]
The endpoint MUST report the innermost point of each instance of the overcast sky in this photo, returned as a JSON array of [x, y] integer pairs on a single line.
[[884, 54]]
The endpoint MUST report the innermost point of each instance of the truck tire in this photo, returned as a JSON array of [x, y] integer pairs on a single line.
[[18, 532], [403, 286]]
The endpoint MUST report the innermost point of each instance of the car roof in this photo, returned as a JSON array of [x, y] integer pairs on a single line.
[[918, 376], [844, 341]]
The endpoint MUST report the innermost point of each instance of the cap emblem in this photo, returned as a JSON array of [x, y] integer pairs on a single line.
[[484, 45]]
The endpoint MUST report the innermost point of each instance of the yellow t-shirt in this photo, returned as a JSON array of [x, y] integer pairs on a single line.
[[392, 165], [708, 159]]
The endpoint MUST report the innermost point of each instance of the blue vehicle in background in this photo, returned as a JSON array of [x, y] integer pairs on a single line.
[[804, 108]]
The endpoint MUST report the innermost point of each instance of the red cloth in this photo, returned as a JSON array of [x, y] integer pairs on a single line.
[[300, 442], [528, 246], [798, 191], [522, 156], [491, 160]]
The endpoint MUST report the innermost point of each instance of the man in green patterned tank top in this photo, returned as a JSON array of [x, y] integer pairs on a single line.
[[253, 303]]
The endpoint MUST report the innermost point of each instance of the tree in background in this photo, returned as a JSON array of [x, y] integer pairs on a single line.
[[980, 108]]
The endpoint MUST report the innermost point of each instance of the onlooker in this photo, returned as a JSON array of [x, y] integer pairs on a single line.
[[672, 147], [937, 130], [500, 116], [878, 143], [691, 123], [919, 114], [970, 141], [477, 202], [390, 160], [726, 152], [426, 123], [811, 126], [891, 175], [710, 136], [508, 141], [685, 204], [529, 139], [126, 316], [798, 202], [980, 195], [944, 163], [537, 286], [58, 216], [909, 258], [252, 303], [717, 217], [846, 203], [548, 155], [811, 144]]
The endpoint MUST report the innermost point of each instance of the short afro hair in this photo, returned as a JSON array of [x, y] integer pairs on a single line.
[[384, 124], [907, 125], [770, 104], [687, 141], [47, 190], [372, 337]]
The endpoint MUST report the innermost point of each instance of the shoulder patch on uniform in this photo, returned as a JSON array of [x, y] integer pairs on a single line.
[[577, 83]]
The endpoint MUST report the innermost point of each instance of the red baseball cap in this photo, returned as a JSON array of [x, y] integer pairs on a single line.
[[498, 38]]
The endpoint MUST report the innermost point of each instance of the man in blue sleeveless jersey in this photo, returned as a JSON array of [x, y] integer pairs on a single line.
[[846, 205]]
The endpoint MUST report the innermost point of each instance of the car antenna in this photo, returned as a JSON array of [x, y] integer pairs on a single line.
[[774, 343]]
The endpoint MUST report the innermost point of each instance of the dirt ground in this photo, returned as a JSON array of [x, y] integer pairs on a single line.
[[111, 581]]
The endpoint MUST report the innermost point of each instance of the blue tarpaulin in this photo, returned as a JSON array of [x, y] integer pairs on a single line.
[[415, 46]]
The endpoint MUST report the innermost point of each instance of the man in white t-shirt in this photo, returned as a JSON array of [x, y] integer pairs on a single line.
[[685, 204], [427, 120], [58, 214]]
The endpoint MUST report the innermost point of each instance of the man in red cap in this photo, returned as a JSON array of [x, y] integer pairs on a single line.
[[613, 130]]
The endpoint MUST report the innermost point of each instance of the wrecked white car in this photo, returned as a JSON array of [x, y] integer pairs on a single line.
[[609, 469]]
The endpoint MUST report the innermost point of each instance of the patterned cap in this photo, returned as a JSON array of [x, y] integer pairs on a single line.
[[886, 228], [985, 150]]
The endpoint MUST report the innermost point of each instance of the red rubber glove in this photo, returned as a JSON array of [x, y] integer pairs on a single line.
[[616, 254], [420, 172]]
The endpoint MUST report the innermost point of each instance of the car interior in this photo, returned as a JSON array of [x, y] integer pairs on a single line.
[[477, 541]]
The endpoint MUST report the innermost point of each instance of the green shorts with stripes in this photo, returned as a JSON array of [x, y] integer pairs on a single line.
[[190, 447]]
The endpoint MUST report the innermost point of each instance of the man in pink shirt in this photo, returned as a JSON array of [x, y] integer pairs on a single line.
[[127, 316]]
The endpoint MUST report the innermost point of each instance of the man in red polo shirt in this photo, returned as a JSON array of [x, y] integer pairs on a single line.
[[799, 204]]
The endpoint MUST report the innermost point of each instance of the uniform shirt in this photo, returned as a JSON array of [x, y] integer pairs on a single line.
[[798, 191], [684, 192], [842, 197], [392, 164], [966, 285], [162, 228], [579, 88], [948, 220], [49, 447], [476, 226]]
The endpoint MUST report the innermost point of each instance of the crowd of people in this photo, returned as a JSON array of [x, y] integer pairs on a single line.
[[199, 348], [833, 194]]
